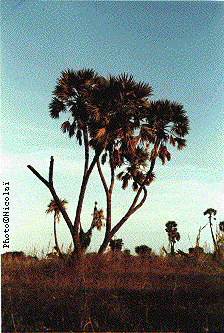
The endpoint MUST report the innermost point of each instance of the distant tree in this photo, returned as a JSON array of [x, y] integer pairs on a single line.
[[143, 250], [53, 208], [116, 244], [173, 234], [127, 252], [211, 212], [221, 226], [197, 250]]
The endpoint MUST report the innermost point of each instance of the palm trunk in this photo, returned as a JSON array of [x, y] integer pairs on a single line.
[[82, 193], [55, 237], [108, 192], [107, 236], [213, 238], [172, 248], [132, 209], [87, 172]]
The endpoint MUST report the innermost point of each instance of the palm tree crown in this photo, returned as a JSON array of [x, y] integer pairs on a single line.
[[210, 212], [53, 207], [73, 95], [166, 122]]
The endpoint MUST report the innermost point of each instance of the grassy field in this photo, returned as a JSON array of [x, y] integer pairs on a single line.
[[119, 293]]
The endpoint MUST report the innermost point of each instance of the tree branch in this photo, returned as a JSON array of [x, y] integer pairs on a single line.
[[112, 176], [142, 201], [36, 173], [131, 211], [86, 144], [83, 189], [133, 206], [108, 196], [102, 177], [51, 170], [49, 185]]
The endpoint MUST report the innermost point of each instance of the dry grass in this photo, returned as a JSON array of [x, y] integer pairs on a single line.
[[113, 293]]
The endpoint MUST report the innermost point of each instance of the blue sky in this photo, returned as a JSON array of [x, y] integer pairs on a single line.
[[176, 47]]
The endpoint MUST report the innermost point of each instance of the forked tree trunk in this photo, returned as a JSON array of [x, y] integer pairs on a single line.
[[109, 235], [49, 185], [132, 209]]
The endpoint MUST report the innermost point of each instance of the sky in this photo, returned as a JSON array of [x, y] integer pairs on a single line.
[[174, 46]]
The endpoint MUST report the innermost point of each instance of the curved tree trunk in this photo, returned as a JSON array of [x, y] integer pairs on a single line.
[[213, 237], [107, 236], [86, 176], [111, 233], [55, 237], [108, 192]]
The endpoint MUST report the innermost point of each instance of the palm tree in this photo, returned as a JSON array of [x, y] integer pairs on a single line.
[[221, 226], [53, 207], [104, 112], [143, 250], [210, 212], [114, 118], [116, 245], [73, 93], [173, 234]]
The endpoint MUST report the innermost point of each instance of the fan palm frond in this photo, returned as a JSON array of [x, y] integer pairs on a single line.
[[53, 207], [181, 143], [135, 186], [56, 106], [79, 136], [65, 127]]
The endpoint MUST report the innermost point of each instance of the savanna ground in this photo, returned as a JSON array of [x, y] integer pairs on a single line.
[[114, 293]]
